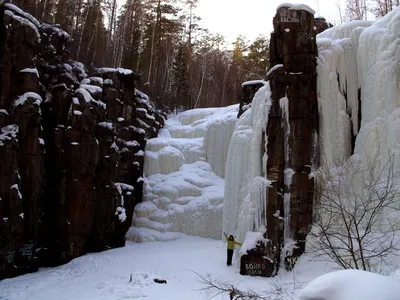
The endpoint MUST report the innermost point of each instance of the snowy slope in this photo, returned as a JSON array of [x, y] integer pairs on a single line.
[[184, 170]]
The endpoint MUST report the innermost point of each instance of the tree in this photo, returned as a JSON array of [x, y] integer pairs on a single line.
[[213, 288], [258, 55], [356, 10], [353, 223], [382, 7], [180, 77]]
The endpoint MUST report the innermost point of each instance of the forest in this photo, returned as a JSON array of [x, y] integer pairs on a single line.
[[181, 65]]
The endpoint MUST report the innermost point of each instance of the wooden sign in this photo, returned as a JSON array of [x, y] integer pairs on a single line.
[[255, 265]]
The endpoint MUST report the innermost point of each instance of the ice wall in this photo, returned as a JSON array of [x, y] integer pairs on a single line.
[[184, 169], [245, 183], [359, 75], [359, 108]]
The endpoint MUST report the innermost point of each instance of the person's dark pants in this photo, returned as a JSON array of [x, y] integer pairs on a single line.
[[229, 260]]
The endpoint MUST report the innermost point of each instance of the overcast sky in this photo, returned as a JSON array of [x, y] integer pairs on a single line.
[[252, 17]]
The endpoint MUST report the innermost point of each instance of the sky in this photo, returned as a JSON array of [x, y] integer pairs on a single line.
[[253, 17]]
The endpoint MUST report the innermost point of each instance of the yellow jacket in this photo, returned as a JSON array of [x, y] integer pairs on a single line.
[[231, 243]]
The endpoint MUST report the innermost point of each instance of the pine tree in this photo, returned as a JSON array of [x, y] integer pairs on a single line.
[[181, 78]]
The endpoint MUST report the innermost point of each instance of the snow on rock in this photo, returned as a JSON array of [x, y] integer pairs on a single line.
[[15, 187], [182, 192], [251, 82], [292, 6], [88, 98], [8, 133], [26, 20], [350, 285], [274, 68], [251, 240], [112, 70], [37, 100], [30, 70], [93, 89], [245, 179], [98, 80]]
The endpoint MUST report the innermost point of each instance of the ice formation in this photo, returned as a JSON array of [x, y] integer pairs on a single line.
[[184, 169], [245, 182]]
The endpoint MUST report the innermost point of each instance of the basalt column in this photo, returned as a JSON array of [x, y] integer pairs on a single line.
[[292, 131]]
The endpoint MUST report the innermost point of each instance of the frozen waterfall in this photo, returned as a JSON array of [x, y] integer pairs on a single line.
[[184, 177], [245, 183]]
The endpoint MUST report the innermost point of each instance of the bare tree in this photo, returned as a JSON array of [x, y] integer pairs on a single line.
[[356, 10], [213, 288], [355, 223]]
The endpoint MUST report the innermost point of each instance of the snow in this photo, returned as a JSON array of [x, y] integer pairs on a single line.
[[293, 6], [350, 285], [108, 81], [29, 95], [251, 82], [108, 125], [3, 111], [88, 98], [8, 133], [98, 80], [15, 187], [106, 275], [27, 20], [30, 70], [112, 70], [91, 88], [77, 112], [276, 67], [141, 95], [250, 241]]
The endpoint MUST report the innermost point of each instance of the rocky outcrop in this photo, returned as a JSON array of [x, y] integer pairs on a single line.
[[249, 89], [71, 148], [292, 130]]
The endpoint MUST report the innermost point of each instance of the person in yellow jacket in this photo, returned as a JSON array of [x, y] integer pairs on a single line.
[[231, 246]]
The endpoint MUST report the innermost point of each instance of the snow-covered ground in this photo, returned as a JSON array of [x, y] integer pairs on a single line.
[[106, 276]]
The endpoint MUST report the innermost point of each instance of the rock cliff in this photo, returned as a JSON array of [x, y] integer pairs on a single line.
[[71, 148]]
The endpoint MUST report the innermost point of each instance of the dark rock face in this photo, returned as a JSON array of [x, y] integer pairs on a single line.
[[292, 131], [321, 25], [249, 89], [71, 148]]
